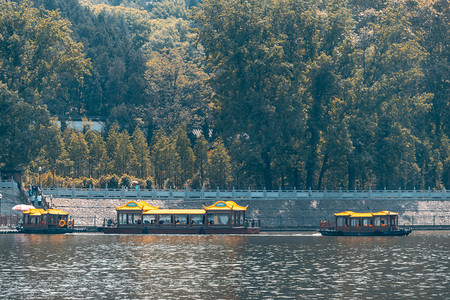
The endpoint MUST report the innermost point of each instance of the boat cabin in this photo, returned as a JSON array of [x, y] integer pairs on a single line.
[[38, 220], [363, 222], [220, 214], [223, 217]]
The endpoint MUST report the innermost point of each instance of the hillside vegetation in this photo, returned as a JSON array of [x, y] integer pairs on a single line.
[[260, 93]]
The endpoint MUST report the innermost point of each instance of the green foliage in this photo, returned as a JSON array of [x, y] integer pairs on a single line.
[[219, 166], [288, 93], [186, 155], [125, 181]]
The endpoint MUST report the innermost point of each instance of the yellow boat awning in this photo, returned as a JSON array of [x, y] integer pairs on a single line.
[[385, 213], [35, 212], [352, 214], [52, 211], [136, 205], [361, 215], [225, 205]]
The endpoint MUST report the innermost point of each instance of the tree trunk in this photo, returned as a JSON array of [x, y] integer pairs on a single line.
[[351, 175], [267, 170], [322, 171]]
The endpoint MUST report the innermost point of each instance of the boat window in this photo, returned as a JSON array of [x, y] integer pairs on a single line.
[[392, 221], [241, 218], [165, 219], [367, 222], [131, 219], [377, 221], [149, 219], [122, 219], [356, 222], [340, 221], [181, 219], [197, 219], [219, 219]]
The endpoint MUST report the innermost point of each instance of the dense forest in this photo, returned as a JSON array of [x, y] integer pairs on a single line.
[[221, 93]]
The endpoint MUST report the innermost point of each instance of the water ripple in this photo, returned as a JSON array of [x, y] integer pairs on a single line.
[[266, 266]]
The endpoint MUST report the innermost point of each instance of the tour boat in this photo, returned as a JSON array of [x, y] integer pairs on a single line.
[[38, 220], [223, 217], [348, 223]]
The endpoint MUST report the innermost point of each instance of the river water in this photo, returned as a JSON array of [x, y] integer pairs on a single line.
[[300, 265]]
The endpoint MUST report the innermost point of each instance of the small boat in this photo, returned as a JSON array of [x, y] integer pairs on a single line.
[[223, 217], [348, 223], [52, 221]]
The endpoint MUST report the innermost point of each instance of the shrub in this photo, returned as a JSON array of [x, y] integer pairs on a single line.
[[149, 184], [125, 180], [113, 181]]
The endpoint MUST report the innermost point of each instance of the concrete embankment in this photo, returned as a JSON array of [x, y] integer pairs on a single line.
[[278, 214]]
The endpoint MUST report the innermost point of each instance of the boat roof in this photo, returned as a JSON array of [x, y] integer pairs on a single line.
[[175, 211], [53, 211], [136, 205], [352, 214], [40, 211], [225, 205], [35, 212], [149, 209]]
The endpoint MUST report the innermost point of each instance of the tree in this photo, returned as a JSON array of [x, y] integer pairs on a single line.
[[185, 154], [164, 158], [219, 166], [77, 148], [54, 146], [143, 164], [175, 87], [124, 156], [201, 158], [97, 154], [22, 125], [255, 67], [38, 55]]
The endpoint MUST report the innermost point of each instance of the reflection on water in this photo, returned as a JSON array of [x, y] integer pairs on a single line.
[[272, 266]]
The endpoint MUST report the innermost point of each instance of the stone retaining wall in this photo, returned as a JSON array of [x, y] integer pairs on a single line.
[[274, 214]]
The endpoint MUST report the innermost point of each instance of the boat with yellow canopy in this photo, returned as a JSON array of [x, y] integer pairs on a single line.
[[223, 217], [348, 223], [38, 220]]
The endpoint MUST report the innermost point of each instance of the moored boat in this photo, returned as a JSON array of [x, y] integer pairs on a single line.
[[51, 221], [223, 217], [348, 223]]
